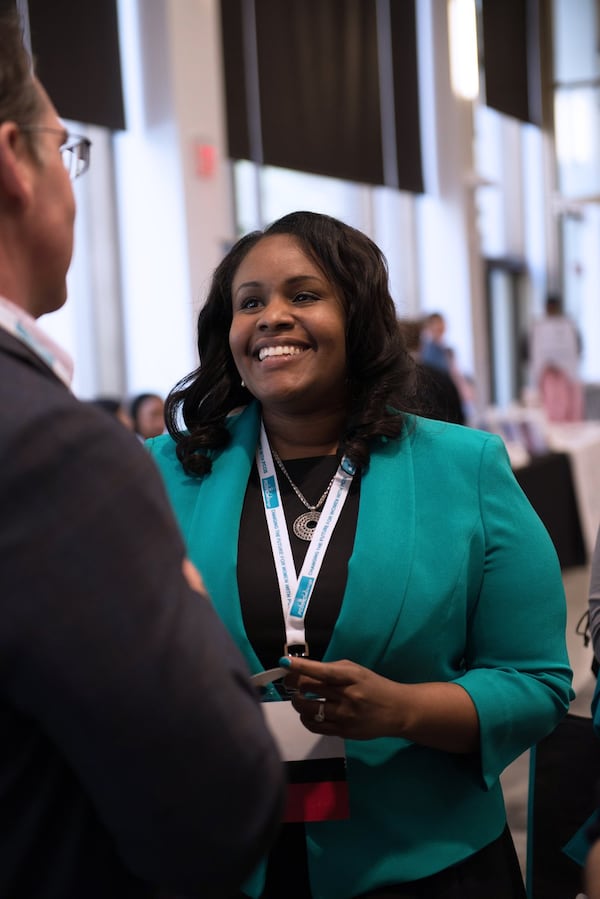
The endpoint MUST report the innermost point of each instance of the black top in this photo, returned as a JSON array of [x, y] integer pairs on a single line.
[[257, 576]]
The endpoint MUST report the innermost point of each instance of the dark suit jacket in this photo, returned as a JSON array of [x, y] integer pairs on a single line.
[[132, 750]]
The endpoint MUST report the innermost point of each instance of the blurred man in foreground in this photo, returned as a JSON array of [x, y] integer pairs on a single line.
[[134, 761]]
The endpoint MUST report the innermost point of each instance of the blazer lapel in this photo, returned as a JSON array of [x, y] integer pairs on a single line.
[[377, 580], [376, 586]]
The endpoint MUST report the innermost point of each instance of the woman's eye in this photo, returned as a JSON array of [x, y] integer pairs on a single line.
[[249, 303], [304, 297]]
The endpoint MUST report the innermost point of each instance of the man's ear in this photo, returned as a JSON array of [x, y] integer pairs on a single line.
[[16, 164]]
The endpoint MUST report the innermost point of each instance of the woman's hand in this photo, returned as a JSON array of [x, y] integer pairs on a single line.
[[359, 704], [347, 700]]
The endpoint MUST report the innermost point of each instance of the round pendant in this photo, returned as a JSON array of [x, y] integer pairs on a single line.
[[304, 526]]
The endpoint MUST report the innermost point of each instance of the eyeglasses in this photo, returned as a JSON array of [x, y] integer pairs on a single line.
[[74, 151]]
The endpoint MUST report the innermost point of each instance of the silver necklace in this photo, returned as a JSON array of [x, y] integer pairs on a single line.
[[305, 524]]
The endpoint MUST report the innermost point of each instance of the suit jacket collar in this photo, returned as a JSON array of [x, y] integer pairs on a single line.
[[23, 327]]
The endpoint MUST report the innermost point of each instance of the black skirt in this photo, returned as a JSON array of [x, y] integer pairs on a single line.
[[493, 872]]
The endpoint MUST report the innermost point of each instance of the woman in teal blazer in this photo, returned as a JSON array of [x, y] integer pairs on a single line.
[[441, 656]]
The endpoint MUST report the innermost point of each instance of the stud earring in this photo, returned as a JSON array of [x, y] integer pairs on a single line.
[[243, 383]]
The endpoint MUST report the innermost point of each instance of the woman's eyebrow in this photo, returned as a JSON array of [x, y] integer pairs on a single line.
[[246, 284], [298, 279], [289, 282]]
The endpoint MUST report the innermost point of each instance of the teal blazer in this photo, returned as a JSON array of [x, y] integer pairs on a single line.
[[452, 577]]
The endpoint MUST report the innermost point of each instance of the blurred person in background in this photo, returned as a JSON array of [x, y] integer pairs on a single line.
[[437, 356], [433, 350], [435, 387], [554, 355], [147, 415], [115, 407]]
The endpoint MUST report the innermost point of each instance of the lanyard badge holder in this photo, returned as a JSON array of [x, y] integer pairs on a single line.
[[316, 764]]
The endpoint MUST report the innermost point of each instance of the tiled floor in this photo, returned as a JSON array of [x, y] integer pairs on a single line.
[[515, 779]]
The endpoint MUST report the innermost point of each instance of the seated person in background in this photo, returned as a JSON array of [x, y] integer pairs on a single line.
[[435, 388], [393, 562], [148, 415]]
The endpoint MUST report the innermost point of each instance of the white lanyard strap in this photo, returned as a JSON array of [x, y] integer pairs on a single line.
[[296, 590]]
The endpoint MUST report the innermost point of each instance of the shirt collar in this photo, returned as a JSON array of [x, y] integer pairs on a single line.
[[24, 327]]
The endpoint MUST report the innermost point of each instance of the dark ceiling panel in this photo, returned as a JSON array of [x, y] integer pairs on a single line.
[[511, 50], [319, 87], [76, 48], [406, 95], [302, 87], [234, 64]]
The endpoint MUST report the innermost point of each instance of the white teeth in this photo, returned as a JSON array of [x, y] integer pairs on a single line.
[[278, 351]]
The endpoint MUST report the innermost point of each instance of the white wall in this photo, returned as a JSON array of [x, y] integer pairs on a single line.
[[172, 222], [450, 275]]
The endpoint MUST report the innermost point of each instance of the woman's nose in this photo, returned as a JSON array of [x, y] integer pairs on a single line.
[[276, 314]]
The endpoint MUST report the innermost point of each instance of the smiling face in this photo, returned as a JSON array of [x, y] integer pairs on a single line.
[[287, 334]]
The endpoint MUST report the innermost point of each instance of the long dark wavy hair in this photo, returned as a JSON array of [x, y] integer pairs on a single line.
[[380, 370]]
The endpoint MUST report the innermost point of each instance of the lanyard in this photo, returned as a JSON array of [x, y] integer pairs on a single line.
[[296, 590], [24, 328]]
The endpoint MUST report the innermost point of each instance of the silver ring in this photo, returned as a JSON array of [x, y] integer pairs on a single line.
[[320, 713]]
